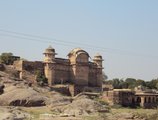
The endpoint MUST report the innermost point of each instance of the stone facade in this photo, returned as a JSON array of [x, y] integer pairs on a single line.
[[77, 70], [131, 98]]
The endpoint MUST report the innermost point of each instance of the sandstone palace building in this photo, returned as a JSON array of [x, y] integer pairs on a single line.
[[76, 70]]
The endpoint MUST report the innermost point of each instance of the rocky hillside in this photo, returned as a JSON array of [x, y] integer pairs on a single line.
[[20, 101]]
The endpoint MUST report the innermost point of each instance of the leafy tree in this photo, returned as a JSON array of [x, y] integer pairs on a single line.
[[156, 85], [6, 58], [131, 82], [152, 84], [41, 79], [123, 84], [105, 77], [116, 83], [140, 82]]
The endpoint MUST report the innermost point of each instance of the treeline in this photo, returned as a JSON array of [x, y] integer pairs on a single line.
[[131, 83]]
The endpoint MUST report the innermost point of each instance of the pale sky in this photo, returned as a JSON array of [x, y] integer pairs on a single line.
[[124, 32]]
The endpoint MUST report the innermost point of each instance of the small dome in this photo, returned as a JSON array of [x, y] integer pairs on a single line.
[[98, 57], [77, 51], [49, 50]]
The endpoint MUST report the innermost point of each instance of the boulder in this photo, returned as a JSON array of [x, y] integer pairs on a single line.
[[58, 100], [2, 68], [13, 113], [1, 89], [22, 97], [82, 105]]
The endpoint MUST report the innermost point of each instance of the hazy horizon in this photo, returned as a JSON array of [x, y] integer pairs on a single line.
[[123, 32]]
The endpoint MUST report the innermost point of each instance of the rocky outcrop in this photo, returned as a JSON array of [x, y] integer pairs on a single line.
[[22, 97], [1, 89], [58, 99], [2, 68], [82, 105], [13, 113]]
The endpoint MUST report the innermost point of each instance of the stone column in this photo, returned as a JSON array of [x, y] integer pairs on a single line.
[[50, 73], [142, 101], [21, 75], [147, 100], [155, 99]]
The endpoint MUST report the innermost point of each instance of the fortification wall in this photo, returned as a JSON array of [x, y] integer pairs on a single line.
[[33, 66], [27, 69], [21, 65], [18, 65], [62, 74], [92, 77]]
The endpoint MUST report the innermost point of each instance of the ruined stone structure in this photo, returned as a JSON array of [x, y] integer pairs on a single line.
[[76, 70], [132, 98]]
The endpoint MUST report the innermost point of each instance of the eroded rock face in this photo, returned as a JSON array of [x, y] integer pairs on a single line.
[[22, 97], [82, 105], [58, 99], [2, 68], [2, 89], [13, 113]]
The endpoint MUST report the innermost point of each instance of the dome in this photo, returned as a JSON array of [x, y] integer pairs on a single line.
[[98, 57], [49, 50], [77, 51]]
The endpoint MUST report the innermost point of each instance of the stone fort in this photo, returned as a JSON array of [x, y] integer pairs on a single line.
[[76, 70]]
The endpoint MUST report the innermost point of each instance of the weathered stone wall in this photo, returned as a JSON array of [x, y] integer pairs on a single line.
[[76, 70], [62, 74], [31, 78], [99, 77], [92, 77], [72, 73], [64, 89], [18, 65], [49, 73], [82, 75], [31, 66], [123, 98], [109, 97], [27, 69], [82, 58]]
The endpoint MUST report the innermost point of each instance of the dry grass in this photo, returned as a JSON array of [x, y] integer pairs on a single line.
[[35, 112]]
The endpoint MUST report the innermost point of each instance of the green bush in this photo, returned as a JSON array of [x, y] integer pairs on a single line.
[[41, 79], [6, 58]]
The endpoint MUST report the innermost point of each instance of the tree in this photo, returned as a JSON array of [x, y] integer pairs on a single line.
[[104, 76], [41, 79], [6, 58], [123, 84], [152, 84], [140, 82], [131, 82], [116, 83]]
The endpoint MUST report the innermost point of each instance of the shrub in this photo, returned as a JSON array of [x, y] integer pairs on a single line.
[[6, 58], [41, 79]]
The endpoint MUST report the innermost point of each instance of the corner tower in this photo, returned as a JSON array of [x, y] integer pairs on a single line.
[[98, 60], [49, 64]]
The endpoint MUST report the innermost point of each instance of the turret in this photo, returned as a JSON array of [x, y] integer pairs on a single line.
[[98, 60], [49, 55], [49, 68]]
